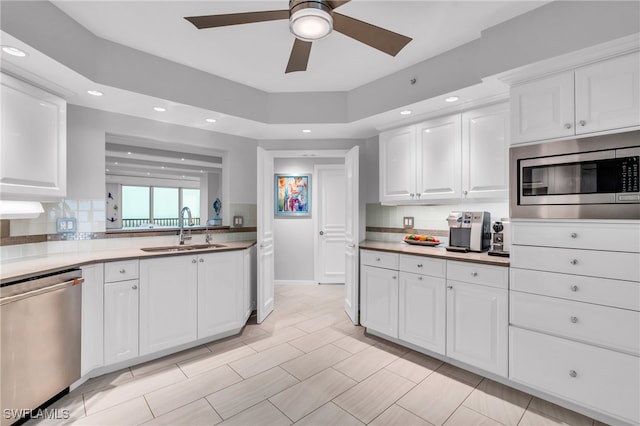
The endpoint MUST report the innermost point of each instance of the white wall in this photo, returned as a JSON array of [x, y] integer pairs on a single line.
[[294, 236]]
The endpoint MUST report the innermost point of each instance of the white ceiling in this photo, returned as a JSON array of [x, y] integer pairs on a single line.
[[256, 55]]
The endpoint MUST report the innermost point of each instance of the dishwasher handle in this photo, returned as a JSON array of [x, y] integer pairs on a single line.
[[15, 298]]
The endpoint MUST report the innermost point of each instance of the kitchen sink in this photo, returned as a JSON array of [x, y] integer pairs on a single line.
[[188, 247]]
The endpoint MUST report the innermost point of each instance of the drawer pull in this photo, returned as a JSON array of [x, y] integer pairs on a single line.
[[568, 126], [474, 274], [377, 259], [574, 235], [573, 373], [122, 271], [574, 262], [419, 265], [574, 319], [201, 260], [450, 287], [574, 288], [193, 261], [134, 287], [419, 278]]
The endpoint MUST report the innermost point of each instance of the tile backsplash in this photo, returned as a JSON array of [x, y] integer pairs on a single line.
[[89, 214]]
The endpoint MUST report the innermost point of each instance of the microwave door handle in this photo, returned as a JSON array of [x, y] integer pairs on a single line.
[[570, 158]]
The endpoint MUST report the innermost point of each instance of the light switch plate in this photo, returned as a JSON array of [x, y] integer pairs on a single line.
[[408, 222], [238, 220], [66, 224]]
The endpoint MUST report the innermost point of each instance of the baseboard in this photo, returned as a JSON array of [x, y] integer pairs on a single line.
[[294, 282]]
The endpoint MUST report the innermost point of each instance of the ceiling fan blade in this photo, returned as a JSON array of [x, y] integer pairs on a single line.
[[299, 56], [337, 3], [210, 21], [384, 40]]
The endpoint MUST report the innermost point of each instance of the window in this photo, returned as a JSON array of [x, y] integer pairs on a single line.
[[145, 206]]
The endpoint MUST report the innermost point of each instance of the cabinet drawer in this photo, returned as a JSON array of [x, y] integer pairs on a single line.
[[593, 263], [601, 236], [120, 271], [601, 325], [380, 259], [494, 276], [584, 374], [601, 291], [423, 265]]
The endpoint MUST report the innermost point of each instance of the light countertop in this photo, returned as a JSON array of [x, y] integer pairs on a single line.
[[16, 269], [439, 252]]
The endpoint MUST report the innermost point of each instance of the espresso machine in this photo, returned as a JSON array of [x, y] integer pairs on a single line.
[[469, 231], [500, 238]]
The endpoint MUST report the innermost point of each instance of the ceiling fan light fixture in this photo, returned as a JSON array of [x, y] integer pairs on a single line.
[[312, 22]]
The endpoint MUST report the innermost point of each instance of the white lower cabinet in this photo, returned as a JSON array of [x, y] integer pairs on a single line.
[[92, 318], [604, 380], [220, 292], [120, 321], [168, 302], [379, 299], [422, 311]]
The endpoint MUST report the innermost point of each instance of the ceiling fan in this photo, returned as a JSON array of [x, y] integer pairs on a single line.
[[310, 21]]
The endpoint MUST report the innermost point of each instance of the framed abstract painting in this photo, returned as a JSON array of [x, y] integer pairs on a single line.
[[293, 195]]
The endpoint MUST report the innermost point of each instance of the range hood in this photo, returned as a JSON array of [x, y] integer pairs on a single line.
[[20, 209]]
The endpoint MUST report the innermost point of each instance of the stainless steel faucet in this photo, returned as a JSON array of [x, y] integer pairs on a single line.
[[208, 239], [181, 221]]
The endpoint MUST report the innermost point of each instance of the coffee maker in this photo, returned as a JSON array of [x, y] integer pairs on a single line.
[[469, 231], [500, 238]]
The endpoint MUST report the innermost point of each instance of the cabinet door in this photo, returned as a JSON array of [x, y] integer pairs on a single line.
[[608, 94], [398, 164], [168, 292], [33, 142], [120, 321], [422, 311], [379, 300], [92, 318], [542, 109], [249, 281], [438, 171], [220, 293], [477, 326], [485, 152]]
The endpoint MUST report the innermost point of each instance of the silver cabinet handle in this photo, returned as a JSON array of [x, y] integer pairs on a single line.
[[321, 232], [574, 319], [465, 193], [419, 278], [450, 287], [122, 271], [193, 261], [394, 277], [574, 288], [418, 195], [574, 235], [377, 259], [419, 265], [412, 195], [474, 274], [582, 123], [573, 373], [134, 287], [567, 126], [201, 260], [574, 262], [352, 245]]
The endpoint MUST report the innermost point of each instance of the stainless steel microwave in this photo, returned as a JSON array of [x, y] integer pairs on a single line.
[[588, 178]]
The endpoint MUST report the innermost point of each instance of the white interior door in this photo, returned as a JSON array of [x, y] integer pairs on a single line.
[[265, 196], [330, 223], [352, 234]]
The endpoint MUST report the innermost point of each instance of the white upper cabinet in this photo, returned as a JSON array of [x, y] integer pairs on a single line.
[[33, 156], [398, 152], [595, 98], [485, 152], [448, 158], [438, 159], [608, 94]]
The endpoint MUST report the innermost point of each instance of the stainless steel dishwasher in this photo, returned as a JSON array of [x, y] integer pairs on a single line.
[[40, 342]]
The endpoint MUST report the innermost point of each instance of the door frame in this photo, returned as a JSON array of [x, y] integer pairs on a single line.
[[315, 185]]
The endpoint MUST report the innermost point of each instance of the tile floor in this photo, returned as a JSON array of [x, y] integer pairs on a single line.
[[305, 365]]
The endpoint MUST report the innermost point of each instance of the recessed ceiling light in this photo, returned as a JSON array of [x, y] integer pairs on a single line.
[[129, 153], [452, 99], [148, 174], [182, 159], [159, 109], [201, 171], [162, 167], [306, 131], [107, 169], [116, 163], [14, 51], [211, 120], [406, 112], [95, 92]]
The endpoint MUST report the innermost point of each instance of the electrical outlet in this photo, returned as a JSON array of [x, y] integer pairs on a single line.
[[66, 225], [238, 220], [408, 222]]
